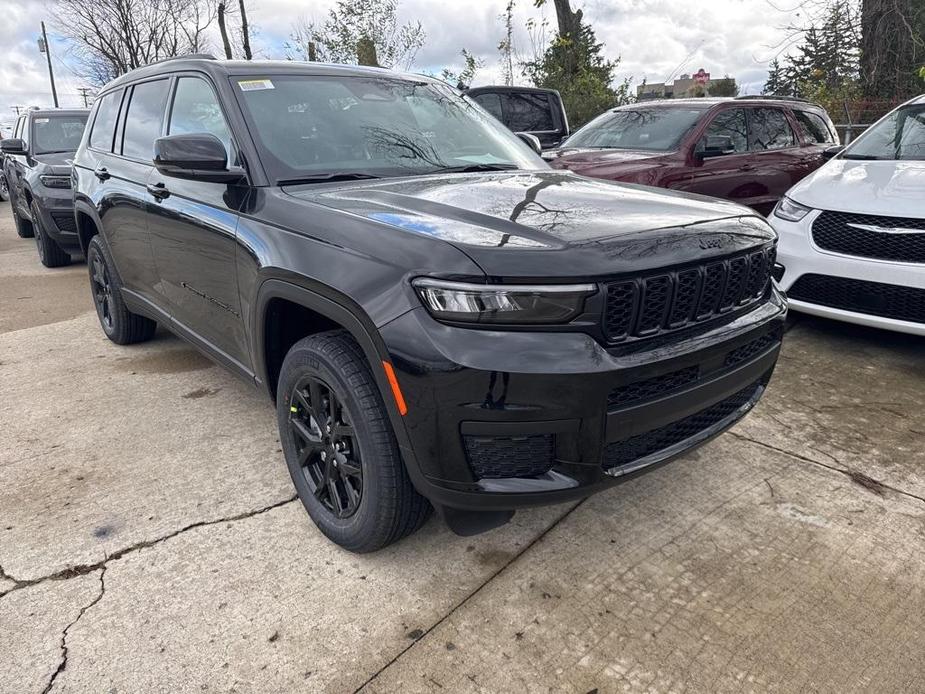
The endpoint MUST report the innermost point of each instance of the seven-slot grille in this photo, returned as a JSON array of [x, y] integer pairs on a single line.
[[900, 238], [677, 299]]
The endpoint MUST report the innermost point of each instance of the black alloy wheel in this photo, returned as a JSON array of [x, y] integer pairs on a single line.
[[328, 454], [101, 286]]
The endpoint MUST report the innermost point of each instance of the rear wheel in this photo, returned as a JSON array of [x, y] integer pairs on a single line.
[[340, 448], [50, 252], [120, 325]]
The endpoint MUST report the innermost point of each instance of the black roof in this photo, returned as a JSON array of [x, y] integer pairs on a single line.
[[223, 68]]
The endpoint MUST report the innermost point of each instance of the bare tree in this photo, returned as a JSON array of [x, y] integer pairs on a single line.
[[223, 30], [506, 46], [111, 37], [245, 33]]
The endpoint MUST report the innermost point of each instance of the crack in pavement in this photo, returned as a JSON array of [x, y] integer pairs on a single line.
[[471, 595], [64, 652], [874, 486], [84, 569]]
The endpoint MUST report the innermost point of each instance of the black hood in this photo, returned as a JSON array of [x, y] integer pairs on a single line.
[[551, 223], [55, 162]]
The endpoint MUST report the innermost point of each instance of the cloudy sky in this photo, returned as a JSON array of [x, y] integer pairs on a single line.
[[655, 39]]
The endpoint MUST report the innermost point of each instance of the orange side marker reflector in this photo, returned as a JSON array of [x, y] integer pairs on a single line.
[[396, 391]]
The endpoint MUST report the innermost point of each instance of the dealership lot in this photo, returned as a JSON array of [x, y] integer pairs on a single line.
[[150, 541]]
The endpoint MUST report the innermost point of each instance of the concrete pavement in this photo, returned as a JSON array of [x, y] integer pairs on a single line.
[[149, 541]]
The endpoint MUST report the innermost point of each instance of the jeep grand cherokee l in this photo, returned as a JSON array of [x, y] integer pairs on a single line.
[[37, 170], [441, 319]]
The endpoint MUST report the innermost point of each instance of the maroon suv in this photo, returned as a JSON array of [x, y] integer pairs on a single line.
[[749, 150]]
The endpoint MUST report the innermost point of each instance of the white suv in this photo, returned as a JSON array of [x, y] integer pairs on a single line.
[[852, 234]]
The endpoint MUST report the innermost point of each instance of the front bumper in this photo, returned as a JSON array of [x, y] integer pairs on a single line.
[[57, 210], [501, 420], [799, 256]]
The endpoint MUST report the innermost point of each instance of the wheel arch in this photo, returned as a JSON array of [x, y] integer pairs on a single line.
[[324, 313], [88, 224]]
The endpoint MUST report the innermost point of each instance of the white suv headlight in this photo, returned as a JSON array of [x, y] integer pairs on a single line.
[[790, 210]]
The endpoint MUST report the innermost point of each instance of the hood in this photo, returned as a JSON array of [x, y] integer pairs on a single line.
[[566, 156], [56, 162], [550, 223], [889, 188]]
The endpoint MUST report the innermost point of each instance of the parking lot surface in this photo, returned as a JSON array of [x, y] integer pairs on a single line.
[[150, 540]]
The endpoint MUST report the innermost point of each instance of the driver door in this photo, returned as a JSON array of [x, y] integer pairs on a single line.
[[728, 176]]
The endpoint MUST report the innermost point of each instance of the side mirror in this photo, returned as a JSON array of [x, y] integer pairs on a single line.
[[197, 156], [716, 146], [533, 142], [13, 146], [832, 151]]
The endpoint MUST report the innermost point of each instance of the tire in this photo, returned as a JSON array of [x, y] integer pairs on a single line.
[[120, 325], [50, 252], [326, 379], [4, 189], [23, 226]]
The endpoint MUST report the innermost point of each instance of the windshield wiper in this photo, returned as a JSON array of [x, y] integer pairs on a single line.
[[861, 157], [328, 178], [468, 168]]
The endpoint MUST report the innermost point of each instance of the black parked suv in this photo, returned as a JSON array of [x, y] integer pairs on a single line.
[[37, 170], [531, 110], [441, 318]]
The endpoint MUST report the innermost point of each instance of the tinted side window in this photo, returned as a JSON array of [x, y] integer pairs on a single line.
[[526, 112], [729, 124], [492, 104], [144, 119], [814, 127], [104, 124], [196, 110], [768, 129]]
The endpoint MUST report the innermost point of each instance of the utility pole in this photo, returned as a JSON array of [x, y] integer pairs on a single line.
[[46, 49], [85, 93], [18, 109]]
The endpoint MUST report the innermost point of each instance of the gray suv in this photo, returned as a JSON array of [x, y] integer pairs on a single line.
[[37, 168]]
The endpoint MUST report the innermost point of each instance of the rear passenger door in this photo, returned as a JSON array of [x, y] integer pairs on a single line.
[[121, 147], [777, 161], [193, 226]]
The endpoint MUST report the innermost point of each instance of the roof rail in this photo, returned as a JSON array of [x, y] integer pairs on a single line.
[[188, 56], [775, 97]]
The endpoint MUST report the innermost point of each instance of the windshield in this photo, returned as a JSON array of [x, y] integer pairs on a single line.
[[57, 133], [901, 135], [650, 129], [312, 127]]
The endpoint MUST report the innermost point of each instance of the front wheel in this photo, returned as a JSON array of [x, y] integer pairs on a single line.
[[340, 448], [50, 252]]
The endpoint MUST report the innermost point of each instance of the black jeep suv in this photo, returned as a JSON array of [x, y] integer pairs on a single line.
[[37, 169], [441, 319]]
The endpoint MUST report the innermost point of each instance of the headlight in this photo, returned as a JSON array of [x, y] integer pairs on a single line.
[[790, 210], [486, 303], [56, 181]]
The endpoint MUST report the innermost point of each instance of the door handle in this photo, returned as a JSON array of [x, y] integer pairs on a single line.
[[102, 173], [746, 167], [158, 190]]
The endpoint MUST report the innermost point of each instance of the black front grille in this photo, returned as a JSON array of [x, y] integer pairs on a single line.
[[675, 300], [640, 446], [65, 221], [839, 232], [497, 457], [874, 298]]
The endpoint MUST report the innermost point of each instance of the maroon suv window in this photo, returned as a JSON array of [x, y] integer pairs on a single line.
[[768, 128], [731, 124]]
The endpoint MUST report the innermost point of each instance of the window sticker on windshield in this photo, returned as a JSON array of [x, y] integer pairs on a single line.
[[255, 85], [41, 120]]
